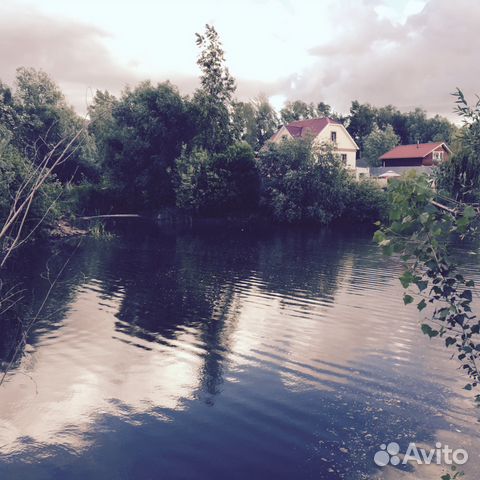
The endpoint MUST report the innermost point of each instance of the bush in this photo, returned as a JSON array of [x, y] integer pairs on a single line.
[[141, 141], [218, 184], [302, 183], [459, 177], [366, 203], [14, 171]]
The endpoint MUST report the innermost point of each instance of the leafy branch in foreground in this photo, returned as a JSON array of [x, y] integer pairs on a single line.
[[424, 232]]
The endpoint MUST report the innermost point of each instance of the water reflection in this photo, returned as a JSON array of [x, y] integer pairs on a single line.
[[214, 355]]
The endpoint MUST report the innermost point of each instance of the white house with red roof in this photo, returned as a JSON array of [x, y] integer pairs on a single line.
[[324, 131]]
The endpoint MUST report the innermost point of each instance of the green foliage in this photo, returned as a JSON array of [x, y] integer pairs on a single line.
[[42, 119], [365, 203], [456, 474], [218, 183], [98, 230], [361, 121], [243, 121], [299, 110], [8, 111], [422, 231], [102, 123], [460, 176], [213, 102], [302, 183], [255, 122], [378, 142], [142, 138], [15, 171], [411, 127]]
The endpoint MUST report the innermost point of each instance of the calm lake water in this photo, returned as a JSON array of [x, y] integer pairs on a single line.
[[226, 355]]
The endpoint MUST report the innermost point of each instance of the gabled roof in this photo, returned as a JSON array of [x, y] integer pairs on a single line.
[[416, 150], [301, 128]]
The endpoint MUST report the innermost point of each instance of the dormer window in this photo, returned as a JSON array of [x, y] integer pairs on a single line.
[[333, 137]]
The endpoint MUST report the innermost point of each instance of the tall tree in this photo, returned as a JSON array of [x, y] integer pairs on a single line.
[[378, 142], [213, 101], [255, 122], [150, 125], [8, 113], [361, 121], [243, 121], [298, 110], [102, 123], [324, 109], [390, 115], [43, 119], [266, 121]]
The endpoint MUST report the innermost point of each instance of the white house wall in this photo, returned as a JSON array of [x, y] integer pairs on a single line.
[[345, 143]]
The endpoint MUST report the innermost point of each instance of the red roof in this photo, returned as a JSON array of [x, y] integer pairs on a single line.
[[314, 126], [417, 150]]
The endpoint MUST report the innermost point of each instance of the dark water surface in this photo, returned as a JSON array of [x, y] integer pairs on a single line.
[[227, 355]]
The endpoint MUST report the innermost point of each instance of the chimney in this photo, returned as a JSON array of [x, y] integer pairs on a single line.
[[418, 143]]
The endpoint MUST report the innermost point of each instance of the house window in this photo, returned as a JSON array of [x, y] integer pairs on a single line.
[[437, 156], [333, 137], [344, 158]]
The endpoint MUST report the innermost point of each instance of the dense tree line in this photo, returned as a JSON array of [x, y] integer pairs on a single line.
[[364, 119], [153, 148]]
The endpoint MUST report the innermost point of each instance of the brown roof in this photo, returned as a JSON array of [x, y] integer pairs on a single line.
[[417, 150], [314, 126]]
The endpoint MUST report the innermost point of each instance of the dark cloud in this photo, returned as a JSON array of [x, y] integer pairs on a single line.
[[418, 63], [71, 53]]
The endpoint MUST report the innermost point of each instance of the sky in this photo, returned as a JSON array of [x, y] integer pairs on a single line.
[[409, 53]]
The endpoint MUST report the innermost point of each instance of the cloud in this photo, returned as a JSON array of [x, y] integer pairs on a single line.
[[75, 55], [377, 51], [72, 53], [415, 63]]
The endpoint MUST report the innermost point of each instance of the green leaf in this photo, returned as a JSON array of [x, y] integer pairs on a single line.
[[421, 305], [407, 299], [424, 217], [449, 341], [421, 284], [427, 330], [468, 386], [469, 212], [406, 279], [470, 283], [378, 236], [467, 294]]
